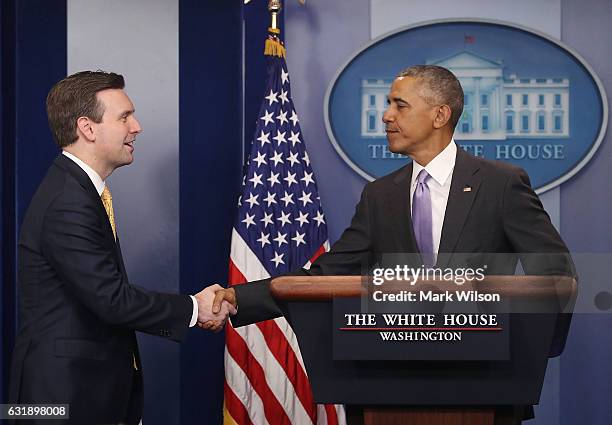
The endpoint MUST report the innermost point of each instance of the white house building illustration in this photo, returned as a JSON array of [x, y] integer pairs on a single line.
[[496, 107]]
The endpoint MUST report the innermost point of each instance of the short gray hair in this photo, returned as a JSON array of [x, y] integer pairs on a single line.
[[440, 87]]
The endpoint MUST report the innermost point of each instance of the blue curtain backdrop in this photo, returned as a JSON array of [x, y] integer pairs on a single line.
[[224, 101], [209, 178], [33, 59]]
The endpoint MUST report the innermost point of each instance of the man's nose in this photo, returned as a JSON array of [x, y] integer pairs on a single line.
[[387, 116], [136, 128]]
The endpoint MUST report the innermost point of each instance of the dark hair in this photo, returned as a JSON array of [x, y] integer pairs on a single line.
[[74, 97], [440, 87]]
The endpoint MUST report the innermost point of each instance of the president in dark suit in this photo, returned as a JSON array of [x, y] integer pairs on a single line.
[[77, 310], [447, 208]]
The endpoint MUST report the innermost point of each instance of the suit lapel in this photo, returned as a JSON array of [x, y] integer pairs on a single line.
[[400, 211], [464, 188], [83, 179]]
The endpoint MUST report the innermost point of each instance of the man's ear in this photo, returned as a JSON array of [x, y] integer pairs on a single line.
[[443, 115], [85, 127]]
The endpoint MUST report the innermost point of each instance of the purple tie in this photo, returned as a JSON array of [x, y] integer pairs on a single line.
[[421, 218]]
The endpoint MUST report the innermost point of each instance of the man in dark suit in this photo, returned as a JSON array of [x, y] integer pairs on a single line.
[[475, 211], [77, 310], [448, 207]]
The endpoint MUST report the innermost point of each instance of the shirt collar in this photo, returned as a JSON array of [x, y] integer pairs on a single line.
[[441, 167], [93, 176]]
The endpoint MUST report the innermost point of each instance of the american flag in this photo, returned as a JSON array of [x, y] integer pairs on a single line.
[[279, 227]]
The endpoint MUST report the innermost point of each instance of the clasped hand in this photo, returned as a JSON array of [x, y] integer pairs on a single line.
[[215, 304]]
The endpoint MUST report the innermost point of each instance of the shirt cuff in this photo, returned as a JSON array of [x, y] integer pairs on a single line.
[[194, 315]]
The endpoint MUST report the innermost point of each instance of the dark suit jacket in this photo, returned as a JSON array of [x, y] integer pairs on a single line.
[[77, 311], [500, 214]]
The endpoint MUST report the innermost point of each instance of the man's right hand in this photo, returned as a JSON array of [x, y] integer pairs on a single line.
[[213, 313]]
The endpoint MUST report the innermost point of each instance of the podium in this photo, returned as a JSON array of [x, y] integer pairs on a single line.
[[486, 389]]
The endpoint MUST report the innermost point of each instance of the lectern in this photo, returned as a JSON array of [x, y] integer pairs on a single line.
[[476, 380]]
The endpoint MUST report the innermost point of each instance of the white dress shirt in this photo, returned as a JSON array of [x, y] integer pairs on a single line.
[[441, 171], [99, 185]]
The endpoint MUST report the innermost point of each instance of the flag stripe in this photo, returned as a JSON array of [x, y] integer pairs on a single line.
[[317, 254], [277, 375], [339, 414], [283, 352], [285, 328], [243, 356], [245, 261], [238, 382], [330, 413], [231, 399]]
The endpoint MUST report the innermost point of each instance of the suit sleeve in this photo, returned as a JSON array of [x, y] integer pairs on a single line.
[[539, 245], [350, 255], [83, 256], [530, 231]]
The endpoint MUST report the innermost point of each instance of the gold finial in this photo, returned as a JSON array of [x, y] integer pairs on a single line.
[[274, 7]]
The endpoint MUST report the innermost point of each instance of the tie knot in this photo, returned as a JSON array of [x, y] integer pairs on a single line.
[[423, 176], [106, 194]]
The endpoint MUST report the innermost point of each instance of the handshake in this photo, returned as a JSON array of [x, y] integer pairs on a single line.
[[215, 304]]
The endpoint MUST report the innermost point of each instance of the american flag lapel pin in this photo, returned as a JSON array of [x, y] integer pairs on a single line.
[[467, 189]]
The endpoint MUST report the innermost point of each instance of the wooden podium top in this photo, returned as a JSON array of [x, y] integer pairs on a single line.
[[321, 288]]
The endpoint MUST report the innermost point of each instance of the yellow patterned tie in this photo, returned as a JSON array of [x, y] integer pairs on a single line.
[[107, 200]]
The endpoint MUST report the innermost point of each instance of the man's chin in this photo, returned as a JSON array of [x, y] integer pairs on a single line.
[[394, 148], [127, 160]]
